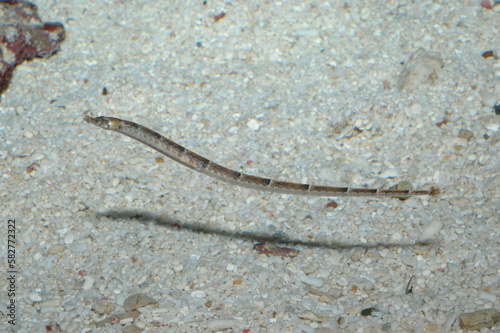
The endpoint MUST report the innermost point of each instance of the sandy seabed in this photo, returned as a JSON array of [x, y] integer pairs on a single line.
[[300, 91]]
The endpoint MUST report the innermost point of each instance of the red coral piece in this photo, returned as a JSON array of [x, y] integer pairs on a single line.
[[24, 36]]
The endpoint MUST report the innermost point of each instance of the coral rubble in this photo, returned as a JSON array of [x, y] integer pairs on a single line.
[[24, 36]]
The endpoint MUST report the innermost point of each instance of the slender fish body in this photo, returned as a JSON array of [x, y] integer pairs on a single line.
[[203, 165]]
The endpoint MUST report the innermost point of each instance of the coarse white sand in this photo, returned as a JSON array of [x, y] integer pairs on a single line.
[[304, 91]]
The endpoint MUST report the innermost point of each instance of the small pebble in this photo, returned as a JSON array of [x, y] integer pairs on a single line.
[[493, 127], [356, 255], [88, 282], [465, 134], [325, 298], [198, 294], [489, 100], [219, 16], [253, 124], [416, 108], [390, 173], [79, 247], [317, 282], [131, 329], [332, 204], [396, 237], [125, 321], [51, 303], [221, 324], [364, 13], [35, 297], [336, 292], [386, 327], [325, 330], [480, 319], [460, 202], [231, 268], [310, 268], [178, 268], [69, 238], [104, 307], [309, 315], [27, 134], [353, 311], [56, 248], [315, 291], [431, 231], [419, 69], [138, 301], [487, 296]]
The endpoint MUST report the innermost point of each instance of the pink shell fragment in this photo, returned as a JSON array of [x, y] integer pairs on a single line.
[[486, 4], [24, 36]]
